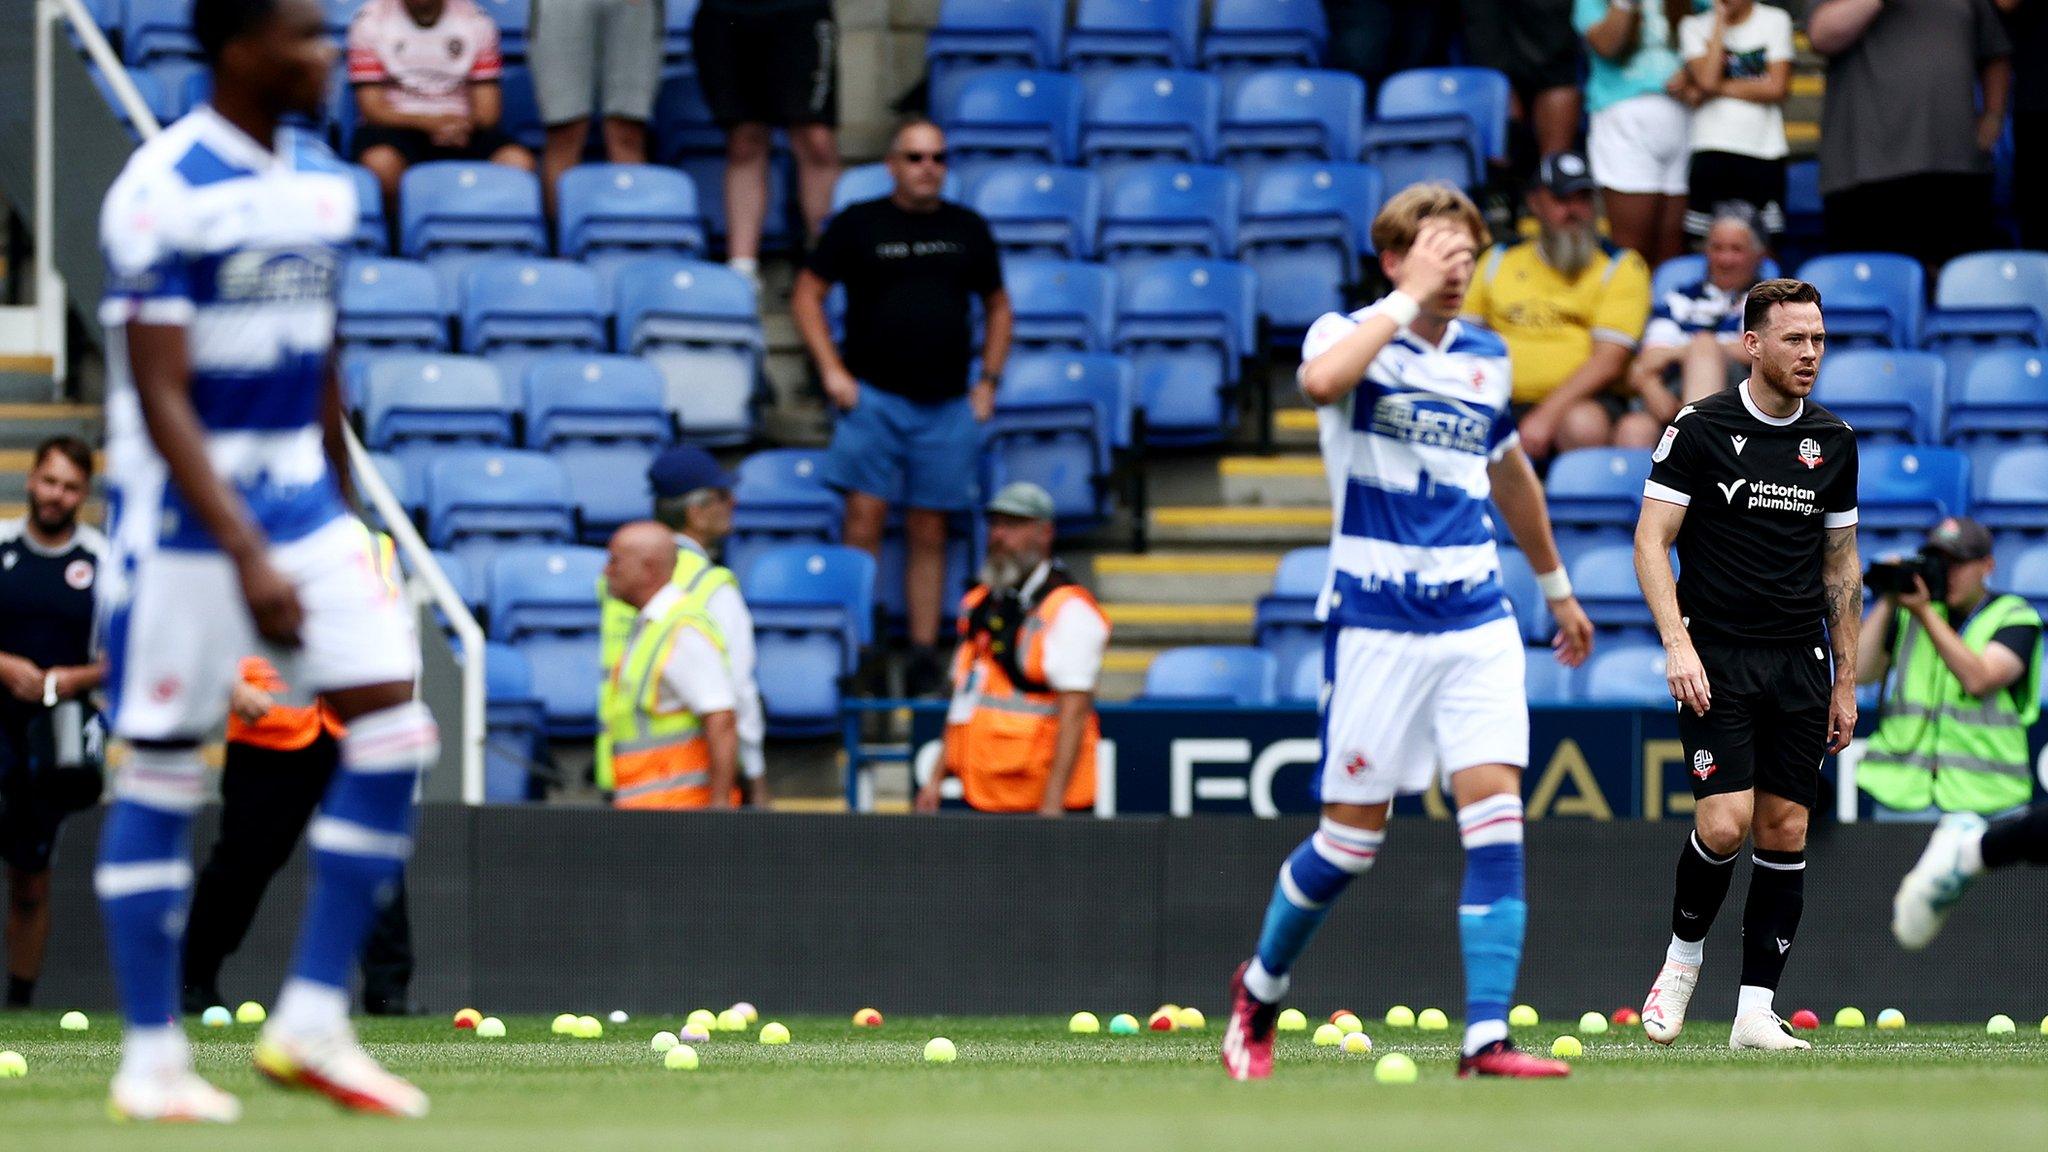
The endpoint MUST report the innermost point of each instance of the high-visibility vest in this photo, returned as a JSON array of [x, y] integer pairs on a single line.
[[659, 759], [1003, 753], [1937, 744], [286, 728], [699, 579]]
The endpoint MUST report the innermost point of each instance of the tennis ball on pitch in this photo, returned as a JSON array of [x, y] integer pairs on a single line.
[[564, 1025], [13, 1066], [1292, 1020], [939, 1050], [1523, 1016], [691, 1035], [1849, 1018], [1394, 1068], [467, 1018], [1161, 1021], [1327, 1035], [216, 1017], [2000, 1025], [681, 1058], [1891, 1018], [250, 1012], [618, 1016], [1123, 1024], [74, 1022], [1348, 1022], [588, 1028], [491, 1028], [732, 1020], [1432, 1020], [1190, 1018], [2044, 1025], [1356, 1043], [663, 1041], [748, 1010], [773, 1033], [1400, 1016], [1566, 1047], [1083, 1023], [704, 1019], [867, 1018], [1592, 1024]]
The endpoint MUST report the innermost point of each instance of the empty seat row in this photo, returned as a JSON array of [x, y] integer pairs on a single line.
[[1035, 33]]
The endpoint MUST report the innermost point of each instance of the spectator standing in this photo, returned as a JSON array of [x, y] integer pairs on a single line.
[[1373, 39], [1905, 151], [576, 48], [909, 428], [768, 64], [1531, 42], [425, 74], [1695, 335], [1571, 307], [1739, 56], [1638, 94], [2027, 25]]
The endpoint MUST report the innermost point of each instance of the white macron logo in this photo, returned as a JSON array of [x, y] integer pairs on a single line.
[[1784, 945], [1741, 442], [1731, 488]]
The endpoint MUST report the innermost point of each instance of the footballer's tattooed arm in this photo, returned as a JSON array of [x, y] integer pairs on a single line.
[[1841, 582]]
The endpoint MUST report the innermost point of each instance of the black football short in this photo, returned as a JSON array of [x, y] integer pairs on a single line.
[[779, 67], [1767, 724]]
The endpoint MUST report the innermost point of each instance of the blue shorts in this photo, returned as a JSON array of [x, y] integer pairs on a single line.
[[909, 454]]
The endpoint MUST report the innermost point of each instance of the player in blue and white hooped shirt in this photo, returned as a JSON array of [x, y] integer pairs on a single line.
[[222, 238], [1422, 670]]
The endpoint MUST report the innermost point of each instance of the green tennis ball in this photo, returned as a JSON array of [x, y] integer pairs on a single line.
[[1394, 1068]]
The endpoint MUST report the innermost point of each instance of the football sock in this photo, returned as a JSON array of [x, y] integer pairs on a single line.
[[1770, 917], [2022, 839], [1702, 885], [1492, 914], [360, 840], [144, 884], [1311, 878]]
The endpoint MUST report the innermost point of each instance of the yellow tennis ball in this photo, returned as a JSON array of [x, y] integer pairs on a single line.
[[663, 1041], [1356, 1043], [2000, 1025], [564, 1025], [250, 1012], [1348, 1022], [491, 1028], [13, 1065], [1592, 1024], [1328, 1035], [1891, 1018], [1292, 1020], [1190, 1018], [1432, 1020], [1400, 1016], [681, 1058], [1394, 1068], [1566, 1047], [74, 1022], [774, 1033], [939, 1050], [588, 1028], [1084, 1023], [732, 1020], [1849, 1018], [1523, 1016], [703, 1019]]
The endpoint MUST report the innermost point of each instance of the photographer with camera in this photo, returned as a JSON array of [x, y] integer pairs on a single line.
[[1962, 673]]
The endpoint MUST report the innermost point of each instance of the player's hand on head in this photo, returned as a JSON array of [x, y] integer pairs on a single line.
[[1427, 267], [273, 602], [1687, 678], [1574, 639]]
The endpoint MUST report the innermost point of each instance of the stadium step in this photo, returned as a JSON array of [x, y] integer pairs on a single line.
[[1179, 577], [1211, 525], [1294, 427], [25, 425], [1123, 672], [1170, 624], [1294, 481]]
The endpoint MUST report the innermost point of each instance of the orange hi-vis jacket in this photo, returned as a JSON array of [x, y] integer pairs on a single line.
[[659, 759], [282, 729], [1003, 752]]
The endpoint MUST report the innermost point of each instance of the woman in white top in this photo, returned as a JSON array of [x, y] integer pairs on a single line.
[[1637, 95], [1739, 55]]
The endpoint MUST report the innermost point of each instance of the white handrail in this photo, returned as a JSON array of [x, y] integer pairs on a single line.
[[419, 559]]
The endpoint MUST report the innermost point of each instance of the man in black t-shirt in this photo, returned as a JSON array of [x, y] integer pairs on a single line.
[[909, 428], [48, 565], [1757, 487]]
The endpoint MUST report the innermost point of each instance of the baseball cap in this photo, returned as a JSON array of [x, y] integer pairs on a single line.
[[1565, 174], [1023, 499], [684, 469], [1959, 539]]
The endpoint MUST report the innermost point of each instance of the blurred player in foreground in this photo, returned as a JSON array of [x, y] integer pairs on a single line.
[[222, 238], [1964, 846], [1423, 665]]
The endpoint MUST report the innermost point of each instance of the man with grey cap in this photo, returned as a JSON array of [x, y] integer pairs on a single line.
[[1022, 731], [1961, 667]]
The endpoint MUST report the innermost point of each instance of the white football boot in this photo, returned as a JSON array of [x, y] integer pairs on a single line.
[[170, 1096], [335, 1066], [1664, 1008], [1936, 882], [1763, 1030]]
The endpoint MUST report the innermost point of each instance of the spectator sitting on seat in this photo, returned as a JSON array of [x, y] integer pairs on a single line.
[[1638, 94], [564, 43], [1740, 57], [1571, 307], [425, 74], [1694, 340]]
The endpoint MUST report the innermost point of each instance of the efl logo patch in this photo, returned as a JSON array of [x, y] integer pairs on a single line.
[[1703, 764], [1664, 445], [1809, 452]]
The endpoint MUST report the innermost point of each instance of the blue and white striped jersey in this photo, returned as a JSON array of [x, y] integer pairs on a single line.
[[1411, 544], [240, 245]]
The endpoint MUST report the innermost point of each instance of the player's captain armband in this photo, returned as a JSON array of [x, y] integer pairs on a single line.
[[1664, 445]]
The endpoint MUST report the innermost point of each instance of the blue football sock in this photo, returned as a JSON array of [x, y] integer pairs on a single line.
[[144, 879], [1492, 914], [1310, 880]]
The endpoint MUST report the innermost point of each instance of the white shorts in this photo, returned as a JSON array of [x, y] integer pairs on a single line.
[[1643, 144], [1408, 709], [177, 642]]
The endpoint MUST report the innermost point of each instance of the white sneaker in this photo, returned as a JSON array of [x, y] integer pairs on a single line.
[[172, 1096], [1936, 882], [336, 1067], [1762, 1029], [1664, 1010]]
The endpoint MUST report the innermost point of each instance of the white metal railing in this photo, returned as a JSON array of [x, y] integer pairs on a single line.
[[419, 559]]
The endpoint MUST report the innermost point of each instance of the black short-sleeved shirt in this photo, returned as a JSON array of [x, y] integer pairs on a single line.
[[1760, 494], [46, 596], [910, 278]]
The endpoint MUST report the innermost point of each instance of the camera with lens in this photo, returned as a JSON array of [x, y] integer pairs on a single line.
[[1893, 576]]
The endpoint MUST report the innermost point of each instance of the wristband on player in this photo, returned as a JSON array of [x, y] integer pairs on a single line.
[[1399, 307], [1555, 585]]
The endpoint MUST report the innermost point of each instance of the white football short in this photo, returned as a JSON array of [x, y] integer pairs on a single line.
[[177, 642], [1642, 144], [1407, 709]]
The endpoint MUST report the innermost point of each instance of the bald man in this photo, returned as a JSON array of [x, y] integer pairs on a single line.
[[671, 713]]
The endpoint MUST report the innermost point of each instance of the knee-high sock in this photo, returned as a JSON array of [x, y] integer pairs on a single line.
[[1696, 898], [360, 840], [1770, 922], [1310, 880], [2019, 839], [144, 883], [1492, 914]]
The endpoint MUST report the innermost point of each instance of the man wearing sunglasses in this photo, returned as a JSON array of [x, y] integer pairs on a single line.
[[909, 431]]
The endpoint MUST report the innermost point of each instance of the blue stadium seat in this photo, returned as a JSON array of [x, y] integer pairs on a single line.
[[1306, 224], [1604, 579], [2028, 577], [1150, 114], [1058, 429], [1039, 208], [514, 725], [1525, 599], [631, 208], [152, 94], [1013, 114], [388, 303], [1887, 396], [1544, 679], [183, 81], [1302, 681], [1430, 122], [608, 485], [699, 324], [413, 399], [511, 18], [1802, 204], [679, 17], [544, 588], [1598, 490], [594, 400], [1625, 674], [2004, 397], [1991, 297], [1215, 672], [1284, 620], [1052, 378], [467, 582], [480, 500], [1869, 297], [683, 124], [1133, 33], [1187, 325], [566, 673], [527, 302], [474, 205], [966, 533], [1910, 487], [1163, 208], [813, 608], [1293, 114], [373, 233], [1691, 268], [2011, 495], [157, 29], [1061, 304], [873, 182], [779, 499], [1025, 33], [1265, 34]]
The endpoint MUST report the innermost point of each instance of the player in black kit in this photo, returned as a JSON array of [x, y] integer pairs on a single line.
[[1757, 487]]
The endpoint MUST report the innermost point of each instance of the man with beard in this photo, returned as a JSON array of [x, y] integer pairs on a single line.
[[48, 561], [1571, 307], [1022, 731]]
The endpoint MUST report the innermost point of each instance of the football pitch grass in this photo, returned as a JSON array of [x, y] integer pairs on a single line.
[[1025, 1083]]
